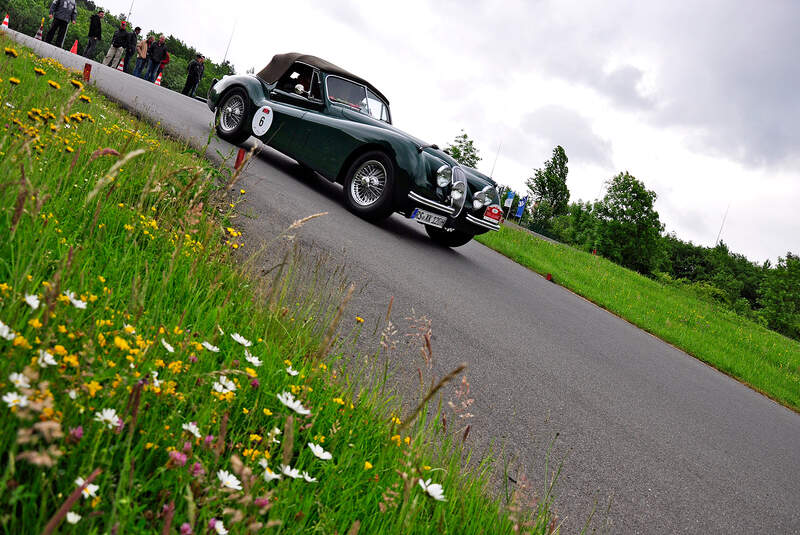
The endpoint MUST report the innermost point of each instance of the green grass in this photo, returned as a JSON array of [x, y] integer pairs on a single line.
[[149, 249], [763, 359]]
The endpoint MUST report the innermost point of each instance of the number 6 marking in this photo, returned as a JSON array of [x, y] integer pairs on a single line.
[[262, 120]]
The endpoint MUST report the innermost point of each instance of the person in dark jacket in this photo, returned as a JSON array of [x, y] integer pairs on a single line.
[[133, 39], [95, 33], [156, 54], [119, 43], [62, 12], [195, 74]]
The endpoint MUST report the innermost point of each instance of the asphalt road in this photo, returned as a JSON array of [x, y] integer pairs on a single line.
[[677, 446]]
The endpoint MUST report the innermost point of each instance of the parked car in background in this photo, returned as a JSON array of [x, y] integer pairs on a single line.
[[340, 125]]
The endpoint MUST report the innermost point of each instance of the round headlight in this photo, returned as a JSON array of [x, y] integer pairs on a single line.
[[444, 175], [476, 204], [458, 190]]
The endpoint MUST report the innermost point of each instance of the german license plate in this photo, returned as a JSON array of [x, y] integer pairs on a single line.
[[428, 218]]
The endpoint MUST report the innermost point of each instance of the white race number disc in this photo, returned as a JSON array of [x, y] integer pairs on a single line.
[[262, 120]]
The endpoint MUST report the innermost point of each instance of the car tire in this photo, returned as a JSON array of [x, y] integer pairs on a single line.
[[455, 238], [369, 186], [233, 117]]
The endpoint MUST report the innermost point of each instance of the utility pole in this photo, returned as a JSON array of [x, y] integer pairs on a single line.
[[229, 43], [500, 146], [723, 223], [130, 10]]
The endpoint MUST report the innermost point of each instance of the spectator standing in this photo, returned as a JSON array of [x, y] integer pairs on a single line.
[[156, 53], [141, 56], [95, 33], [62, 12], [194, 75], [119, 43], [164, 63], [130, 50]]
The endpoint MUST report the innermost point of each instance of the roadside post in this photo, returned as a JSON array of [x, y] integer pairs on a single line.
[[87, 71]]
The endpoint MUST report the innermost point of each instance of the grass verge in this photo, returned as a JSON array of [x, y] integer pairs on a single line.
[[760, 358], [150, 384]]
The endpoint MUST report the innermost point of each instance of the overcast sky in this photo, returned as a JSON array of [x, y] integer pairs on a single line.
[[699, 100]]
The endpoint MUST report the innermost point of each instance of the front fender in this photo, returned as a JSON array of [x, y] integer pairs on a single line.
[[254, 87]]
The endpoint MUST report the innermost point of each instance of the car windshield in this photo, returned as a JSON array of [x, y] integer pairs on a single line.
[[357, 97]]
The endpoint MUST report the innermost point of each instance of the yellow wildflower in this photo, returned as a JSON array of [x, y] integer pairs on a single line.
[[71, 360], [121, 343], [93, 388], [35, 323], [340, 401], [267, 412], [62, 329], [76, 83], [53, 84], [367, 465], [359, 319], [255, 438], [60, 350]]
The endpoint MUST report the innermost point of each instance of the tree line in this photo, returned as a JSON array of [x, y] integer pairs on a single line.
[[624, 227], [27, 15]]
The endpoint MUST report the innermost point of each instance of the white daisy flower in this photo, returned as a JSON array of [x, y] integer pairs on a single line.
[[167, 346], [46, 359], [224, 385], [291, 371], [156, 382], [15, 399], [269, 475], [212, 348], [288, 399], [320, 452], [73, 518], [229, 480], [191, 428], [19, 380], [274, 434], [288, 471], [221, 332], [434, 490], [77, 303], [252, 359], [91, 489], [219, 527], [108, 417], [308, 478], [241, 339], [32, 300], [73, 394], [7, 332]]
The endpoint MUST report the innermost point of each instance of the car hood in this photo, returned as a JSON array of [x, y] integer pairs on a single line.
[[473, 174]]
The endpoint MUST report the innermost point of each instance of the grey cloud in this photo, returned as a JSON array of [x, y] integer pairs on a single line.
[[556, 125], [725, 70]]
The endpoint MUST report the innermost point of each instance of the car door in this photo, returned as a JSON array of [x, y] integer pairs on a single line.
[[289, 132]]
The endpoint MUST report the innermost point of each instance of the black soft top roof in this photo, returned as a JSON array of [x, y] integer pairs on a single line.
[[281, 62]]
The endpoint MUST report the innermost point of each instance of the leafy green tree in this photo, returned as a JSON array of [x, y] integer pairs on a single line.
[[780, 296], [628, 227], [578, 226], [463, 150], [548, 189]]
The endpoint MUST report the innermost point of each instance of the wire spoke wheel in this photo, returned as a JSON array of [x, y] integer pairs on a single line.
[[232, 113], [368, 183]]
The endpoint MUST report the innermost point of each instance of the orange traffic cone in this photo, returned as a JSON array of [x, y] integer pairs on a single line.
[[38, 35], [74, 48], [121, 66], [158, 80], [5, 21]]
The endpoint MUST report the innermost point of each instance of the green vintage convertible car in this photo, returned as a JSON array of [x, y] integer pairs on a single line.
[[339, 125]]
